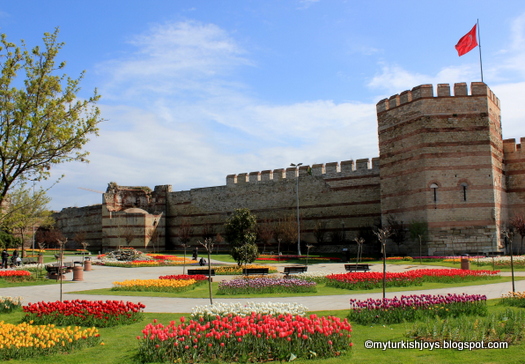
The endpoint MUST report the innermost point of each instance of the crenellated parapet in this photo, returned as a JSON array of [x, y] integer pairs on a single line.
[[443, 91], [349, 168], [510, 146]]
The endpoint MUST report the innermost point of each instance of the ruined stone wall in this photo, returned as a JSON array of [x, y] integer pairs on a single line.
[[442, 162], [343, 196], [134, 210], [81, 220]]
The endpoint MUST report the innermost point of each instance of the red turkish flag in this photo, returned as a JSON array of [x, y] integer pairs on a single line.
[[468, 42]]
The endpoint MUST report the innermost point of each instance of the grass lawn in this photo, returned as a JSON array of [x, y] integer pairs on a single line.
[[44, 281], [322, 290], [120, 346]]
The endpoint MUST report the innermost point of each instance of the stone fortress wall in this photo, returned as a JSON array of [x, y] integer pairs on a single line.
[[442, 161], [341, 196]]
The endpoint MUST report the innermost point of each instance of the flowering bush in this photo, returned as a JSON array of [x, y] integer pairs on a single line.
[[254, 338], [82, 312], [10, 304], [209, 312], [154, 285], [516, 299], [25, 340], [265, 285], [415, 307]]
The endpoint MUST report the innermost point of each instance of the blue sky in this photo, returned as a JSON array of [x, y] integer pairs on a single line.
[[195, 90]]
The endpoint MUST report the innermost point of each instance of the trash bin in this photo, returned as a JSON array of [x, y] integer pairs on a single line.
[[87, 264], [465, 262], [78, 274]]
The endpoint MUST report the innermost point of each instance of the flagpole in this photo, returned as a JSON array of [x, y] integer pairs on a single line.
[[479, 47]]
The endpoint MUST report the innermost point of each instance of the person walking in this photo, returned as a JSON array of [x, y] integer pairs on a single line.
[[5, 256], [195, 254], [15, 261]]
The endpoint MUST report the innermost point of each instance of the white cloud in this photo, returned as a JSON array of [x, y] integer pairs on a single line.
[[156, 134]]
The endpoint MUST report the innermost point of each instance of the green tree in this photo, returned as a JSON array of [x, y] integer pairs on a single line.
[[42, 123], [241, 233], [26, 209], [7, 240]]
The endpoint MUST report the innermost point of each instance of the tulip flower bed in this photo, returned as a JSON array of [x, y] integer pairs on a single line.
[[502, 262], [318, 277], [254, 338], [148, 260], [236, 270], [198, 278], [370, 280], [415, 307], [516, 299], [85, 313], [23, 341], [15, 275], [10, 304], [507, 326], [456, 275], [210, 312], [155, 285], [265, 285]]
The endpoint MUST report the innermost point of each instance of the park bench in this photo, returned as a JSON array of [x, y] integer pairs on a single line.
[[205, 272], [29, 260], [294, 269], [254, 271], [55, 272], [357, 267]]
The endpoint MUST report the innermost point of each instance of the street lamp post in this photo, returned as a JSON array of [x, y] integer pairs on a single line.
[[297, 199]]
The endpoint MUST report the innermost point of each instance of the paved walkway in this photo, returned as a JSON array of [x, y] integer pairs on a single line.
[[102, 277]]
